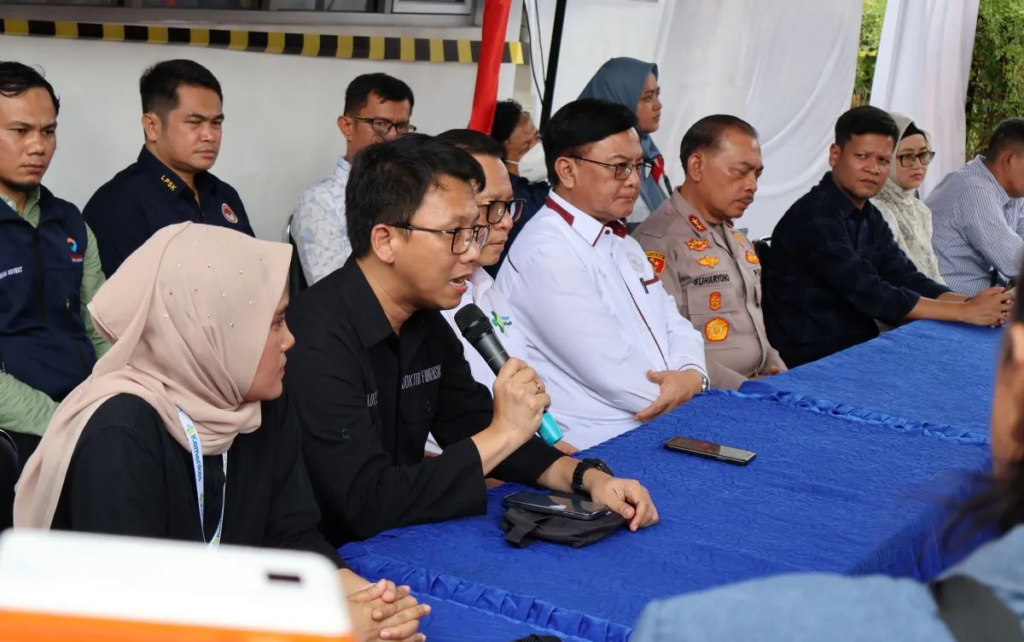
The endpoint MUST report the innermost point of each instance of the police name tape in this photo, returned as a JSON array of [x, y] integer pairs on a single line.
[[295, 44]]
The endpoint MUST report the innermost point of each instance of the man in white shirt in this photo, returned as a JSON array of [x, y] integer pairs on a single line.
[[377, 108], [500, 210], [601, 330]]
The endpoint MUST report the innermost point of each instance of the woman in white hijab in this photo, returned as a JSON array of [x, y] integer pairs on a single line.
[[908, 217]]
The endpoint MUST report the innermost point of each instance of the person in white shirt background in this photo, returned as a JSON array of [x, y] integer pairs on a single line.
[[600, 329], [377, 108], [501, 211]]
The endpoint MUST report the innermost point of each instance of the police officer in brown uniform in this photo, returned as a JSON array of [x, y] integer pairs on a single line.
[[709, 267]]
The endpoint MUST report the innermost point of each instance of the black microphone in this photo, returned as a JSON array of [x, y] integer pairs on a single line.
[[476, 330]]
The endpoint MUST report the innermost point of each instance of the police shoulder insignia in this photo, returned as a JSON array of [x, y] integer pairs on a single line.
[[228, 213], [708, 261], [716, 330], [752, 257], [739, 238], [657, 260], [698, 245], [715, 302], [696, 223]]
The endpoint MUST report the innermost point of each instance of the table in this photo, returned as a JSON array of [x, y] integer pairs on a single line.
[[926, 371], [452, 622], [825, 493]]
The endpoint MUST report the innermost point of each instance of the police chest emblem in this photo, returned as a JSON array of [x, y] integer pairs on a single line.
[[716, 330], [698, 245], [228, 213], [708, 261], [657, 260], [739, 239], [715, 302], [752, 257]]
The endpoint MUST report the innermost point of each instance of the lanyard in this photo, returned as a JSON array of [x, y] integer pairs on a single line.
[[197, 466]]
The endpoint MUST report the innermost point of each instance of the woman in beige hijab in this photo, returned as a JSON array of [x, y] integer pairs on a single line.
[[908, 217], [181, 431]]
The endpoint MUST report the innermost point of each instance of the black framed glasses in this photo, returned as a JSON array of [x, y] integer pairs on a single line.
[[383, 127], [907, 160], [496, 210], [462, 237], [623, 170]]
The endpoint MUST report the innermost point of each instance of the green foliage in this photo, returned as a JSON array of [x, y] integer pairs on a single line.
[[870, 34], [996, 88]]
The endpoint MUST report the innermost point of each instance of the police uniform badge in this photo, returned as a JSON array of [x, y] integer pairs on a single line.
[[708, 261], [739, 239], [716, 330], [228, 213], [696, 223], [752, 257], [698, 245], [657, 260], [715, 301]]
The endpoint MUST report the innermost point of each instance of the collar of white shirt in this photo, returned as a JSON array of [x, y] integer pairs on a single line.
[[584, 224], [342, 169]]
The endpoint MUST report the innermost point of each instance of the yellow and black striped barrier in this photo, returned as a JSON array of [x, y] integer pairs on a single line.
[[273, 42]]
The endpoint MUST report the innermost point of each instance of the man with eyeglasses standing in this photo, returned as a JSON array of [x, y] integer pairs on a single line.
[[600, 328], [376, 368], [377, 108]]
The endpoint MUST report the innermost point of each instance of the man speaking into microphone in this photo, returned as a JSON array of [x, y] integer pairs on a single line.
[[376, 368]]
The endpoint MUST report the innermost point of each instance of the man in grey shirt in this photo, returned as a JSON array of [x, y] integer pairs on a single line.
[[978, 214]]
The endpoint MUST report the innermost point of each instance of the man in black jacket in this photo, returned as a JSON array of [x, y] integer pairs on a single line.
[[376, 368]]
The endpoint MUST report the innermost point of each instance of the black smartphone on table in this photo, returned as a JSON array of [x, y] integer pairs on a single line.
[[571, 507], [710, 450]]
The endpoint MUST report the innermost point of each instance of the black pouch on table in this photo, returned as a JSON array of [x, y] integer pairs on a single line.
[[522, 527]]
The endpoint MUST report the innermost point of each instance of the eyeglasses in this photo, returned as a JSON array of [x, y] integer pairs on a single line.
[[907, 160], [623, 170], [462, 237], [496, 210], [383, 127]]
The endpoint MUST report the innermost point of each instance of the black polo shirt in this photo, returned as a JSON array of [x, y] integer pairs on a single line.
[[366, 400], [147, 196], [129, 476], [831, 271]]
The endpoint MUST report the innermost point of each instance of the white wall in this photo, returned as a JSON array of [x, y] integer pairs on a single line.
[[280, 133]]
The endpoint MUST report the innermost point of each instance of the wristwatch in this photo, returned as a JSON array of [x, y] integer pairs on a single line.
[[582, 468], [705, 383]]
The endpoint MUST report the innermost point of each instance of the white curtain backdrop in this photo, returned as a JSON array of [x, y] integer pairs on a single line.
[[785, 66], [924, 62]]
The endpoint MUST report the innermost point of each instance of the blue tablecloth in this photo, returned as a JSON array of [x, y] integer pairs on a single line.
[[926, 371], [824, 494], [452, 622]]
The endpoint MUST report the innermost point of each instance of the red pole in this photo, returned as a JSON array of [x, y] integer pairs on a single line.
[[488, 67]]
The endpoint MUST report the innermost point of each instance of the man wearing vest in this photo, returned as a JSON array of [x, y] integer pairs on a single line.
[[49, 267]]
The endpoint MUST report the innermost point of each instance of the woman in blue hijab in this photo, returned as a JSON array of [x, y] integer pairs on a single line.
[[634, 84]]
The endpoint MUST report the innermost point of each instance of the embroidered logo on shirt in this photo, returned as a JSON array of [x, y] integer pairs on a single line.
[[423, 376], [657, 260], [752, 257], [711, 279], [636, 262], [715, 302], [739, 239], [708, 261], [500, 321], [716, 330], [371, 399], [168, 183], [696, 223], [11, 272], [228, 214], [76, 256], [698, 245]]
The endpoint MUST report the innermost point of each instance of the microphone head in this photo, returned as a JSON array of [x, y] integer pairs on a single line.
[[473, 323]]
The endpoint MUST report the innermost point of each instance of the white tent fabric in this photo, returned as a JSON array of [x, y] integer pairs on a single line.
[[924, 63], [786, 66]]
